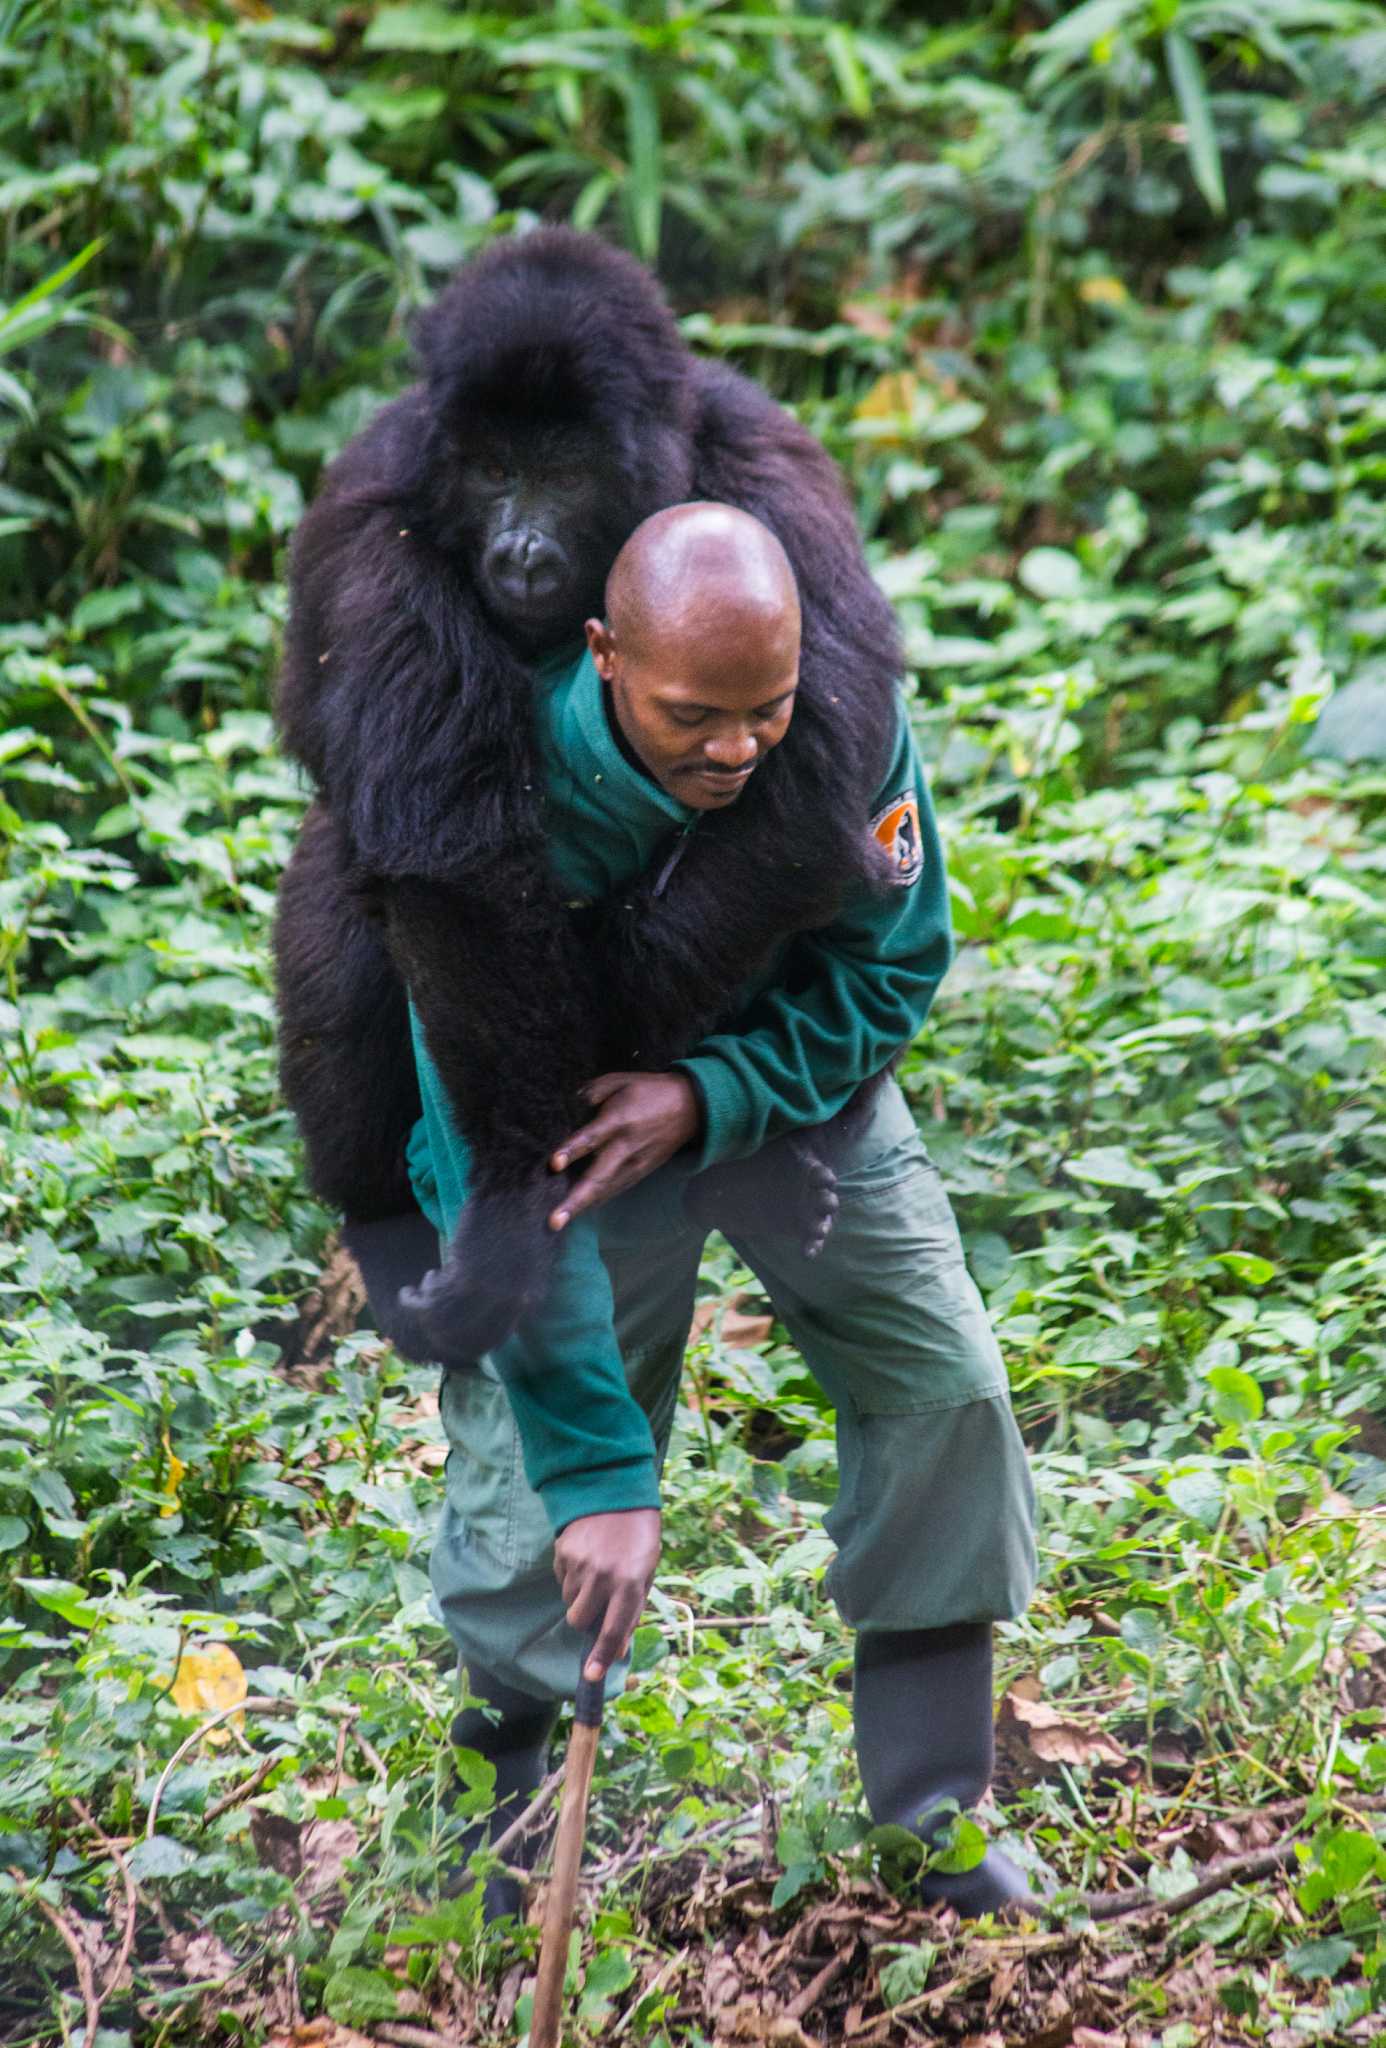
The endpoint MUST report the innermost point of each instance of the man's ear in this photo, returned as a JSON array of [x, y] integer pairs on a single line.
[[601, 642]]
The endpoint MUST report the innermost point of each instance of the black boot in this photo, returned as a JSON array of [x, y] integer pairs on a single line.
[[922, 1705], [518, 1746]]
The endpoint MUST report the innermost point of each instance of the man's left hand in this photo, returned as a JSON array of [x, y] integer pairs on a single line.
[[643, 1120]]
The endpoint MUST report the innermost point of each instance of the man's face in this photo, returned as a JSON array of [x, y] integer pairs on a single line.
[[700, 717]]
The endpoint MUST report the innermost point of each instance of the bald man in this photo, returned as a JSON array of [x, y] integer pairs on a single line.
[[551, 1523]]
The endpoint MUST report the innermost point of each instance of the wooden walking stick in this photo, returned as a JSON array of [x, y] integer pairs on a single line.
[[567, 1857]]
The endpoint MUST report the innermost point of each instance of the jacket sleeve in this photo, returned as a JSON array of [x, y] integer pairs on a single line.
[[843, 999], [586, 1444]]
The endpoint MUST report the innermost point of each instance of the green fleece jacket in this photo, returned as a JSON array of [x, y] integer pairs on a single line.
[[839, 1002]]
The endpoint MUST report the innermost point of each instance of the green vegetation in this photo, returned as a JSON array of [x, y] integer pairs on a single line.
[[1091, 305]]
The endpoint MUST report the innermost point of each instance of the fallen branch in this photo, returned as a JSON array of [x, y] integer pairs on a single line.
[[1238, 1870]]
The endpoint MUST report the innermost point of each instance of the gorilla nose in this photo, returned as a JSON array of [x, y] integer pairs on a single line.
[[526, 564]]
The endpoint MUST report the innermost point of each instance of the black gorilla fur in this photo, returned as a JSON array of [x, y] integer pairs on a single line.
[[422, 858]]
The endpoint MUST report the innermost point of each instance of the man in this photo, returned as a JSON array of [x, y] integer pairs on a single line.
[[551, 1521]]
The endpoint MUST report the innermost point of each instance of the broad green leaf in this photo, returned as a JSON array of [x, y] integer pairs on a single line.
[[643, 188], [1236, 1396], [357, 1996], [59, 1596], [1248, 1266], [1051, 573], [907, 1973], [422, 27], [1142, 1629], [852, 81], [478, 1778], [1191, 91], [1110, 1166], [1311, 1960], [160, 1856]]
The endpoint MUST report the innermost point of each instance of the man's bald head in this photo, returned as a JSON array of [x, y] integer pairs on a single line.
[[700, 648], [696, 569]]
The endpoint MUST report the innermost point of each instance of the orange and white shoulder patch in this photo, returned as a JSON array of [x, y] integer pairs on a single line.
[[896, 826]]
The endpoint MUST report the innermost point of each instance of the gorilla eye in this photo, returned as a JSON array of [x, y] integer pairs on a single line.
[[497, 472]]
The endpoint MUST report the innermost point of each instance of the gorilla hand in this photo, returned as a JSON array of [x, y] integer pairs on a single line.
[[393, 1255], [786, 1189], [497, 1269]]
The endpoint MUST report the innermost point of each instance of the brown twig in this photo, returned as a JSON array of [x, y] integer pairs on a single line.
[[804, 2001], [339, 1759], [257, 1704], [127, 1938], [406, 2036], [86, 1983], [525, 1821], [675, 1963], [244, 1790], [372, 1756], [607, 1872]]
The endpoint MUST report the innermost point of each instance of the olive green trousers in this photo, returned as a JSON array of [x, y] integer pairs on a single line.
[[934, 1516]]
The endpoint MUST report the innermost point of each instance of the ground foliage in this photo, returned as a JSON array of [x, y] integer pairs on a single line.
[[1091, 303]]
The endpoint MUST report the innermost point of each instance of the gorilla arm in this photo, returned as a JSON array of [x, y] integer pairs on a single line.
[[511, 1054]]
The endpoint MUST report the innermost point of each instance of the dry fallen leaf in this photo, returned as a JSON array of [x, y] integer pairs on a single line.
[[739, 1330], [201, 1958], [326, 1847], [1033, 1731], [278, 1841], [314, 1852], [321, 2033], [746, 2022], [328, 1311], [721, 1984]]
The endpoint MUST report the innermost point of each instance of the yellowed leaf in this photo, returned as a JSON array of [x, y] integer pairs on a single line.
[[174, 1469], [891, 397], [208, 1680], [1103, 291]]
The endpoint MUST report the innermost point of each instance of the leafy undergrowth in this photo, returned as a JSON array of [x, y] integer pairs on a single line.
[[1117, 459]]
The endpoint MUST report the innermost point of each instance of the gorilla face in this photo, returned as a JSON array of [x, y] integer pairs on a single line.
[[543, 514]]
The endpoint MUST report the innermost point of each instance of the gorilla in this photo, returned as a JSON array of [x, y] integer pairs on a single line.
[[461, 538]]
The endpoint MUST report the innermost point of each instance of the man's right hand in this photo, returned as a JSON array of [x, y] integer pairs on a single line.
[[605, 1565]]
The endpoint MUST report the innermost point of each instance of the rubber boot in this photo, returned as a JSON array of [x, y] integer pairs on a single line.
[[518, 1746], [922, 1704]]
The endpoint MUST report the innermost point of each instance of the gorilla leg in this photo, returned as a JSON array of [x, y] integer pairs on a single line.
[[512, 1047]]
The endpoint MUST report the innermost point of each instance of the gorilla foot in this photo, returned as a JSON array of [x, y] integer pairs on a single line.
[[497, 1270], [786, 1189]]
